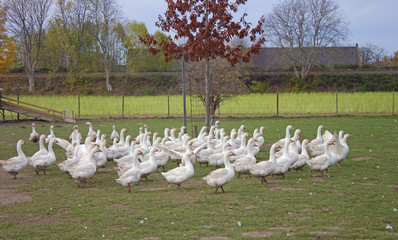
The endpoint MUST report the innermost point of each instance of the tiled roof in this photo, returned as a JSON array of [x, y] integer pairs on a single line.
[[269, 58]]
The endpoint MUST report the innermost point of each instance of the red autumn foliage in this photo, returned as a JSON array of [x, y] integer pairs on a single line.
[[207, 27]]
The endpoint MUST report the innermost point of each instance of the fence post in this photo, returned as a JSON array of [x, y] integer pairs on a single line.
[[123, 106], [18, 105], [277, 103], [2, 110], [78, 104], [393, 101], [12, 118], [168, 106], [337, 104]]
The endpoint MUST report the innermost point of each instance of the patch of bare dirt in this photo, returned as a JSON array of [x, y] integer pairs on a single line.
[[395, 187], [151, 238], [298, 216], [287, 229], [336, 228], [257, 234], [154, 189], [287, 189], [250, 207], [338, 193], [319, 233], [8, 194], [215, 238], [363, 158]]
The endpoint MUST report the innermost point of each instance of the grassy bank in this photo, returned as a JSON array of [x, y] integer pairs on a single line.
[[356, 201]]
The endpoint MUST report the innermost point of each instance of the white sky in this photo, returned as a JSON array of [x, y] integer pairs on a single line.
[[370, 21]]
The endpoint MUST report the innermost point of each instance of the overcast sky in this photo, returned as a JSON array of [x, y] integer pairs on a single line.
[[370, 21]]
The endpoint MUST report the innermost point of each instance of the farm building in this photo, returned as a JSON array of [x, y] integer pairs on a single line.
[[277, 58]]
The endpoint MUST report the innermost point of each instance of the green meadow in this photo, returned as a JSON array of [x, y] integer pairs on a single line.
[[355, 201], [251, 105]]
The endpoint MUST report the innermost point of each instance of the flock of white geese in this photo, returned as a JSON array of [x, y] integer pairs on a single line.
[[231, 154]]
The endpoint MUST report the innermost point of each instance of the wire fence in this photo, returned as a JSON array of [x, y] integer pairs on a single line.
[[251, 105]]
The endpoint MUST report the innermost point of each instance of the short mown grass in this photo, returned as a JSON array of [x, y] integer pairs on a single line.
[[355, 201], [249, 105]]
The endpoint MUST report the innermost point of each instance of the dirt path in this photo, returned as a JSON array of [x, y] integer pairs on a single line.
[[8, 185]]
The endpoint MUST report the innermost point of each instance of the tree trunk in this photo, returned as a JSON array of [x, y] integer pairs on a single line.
[[31, 81], [207, 90], [108, 85]]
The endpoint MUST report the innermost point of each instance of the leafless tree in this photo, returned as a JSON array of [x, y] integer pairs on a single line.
[[227, 81], [105, 14], [303, 28], [72, 17], [26, 20], [371, 53]]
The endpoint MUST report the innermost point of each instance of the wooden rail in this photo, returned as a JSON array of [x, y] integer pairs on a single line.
[[35, 111]]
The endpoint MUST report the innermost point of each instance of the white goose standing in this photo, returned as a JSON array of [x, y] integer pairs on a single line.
[[265, 168], [42, 162], [218, 178], [15, 164], [34, 136], [321, 162], [181, 174], [303, 157], [132, 175]]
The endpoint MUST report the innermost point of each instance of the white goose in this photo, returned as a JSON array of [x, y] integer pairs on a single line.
[[284, 162], [128, 162], [91, 132], [75, 135], [222, 176], [303, 157], [321, 162], [343, 150], [43, 161], [114, 133], [100, 157], [132, 175], [42, 149], [318, 140], [70, 161], [281, 142], [149, 166], [265, 168], [203, 156], [217, 159], [85, 169], [15, 164], [242, 150], [52, 135], [242, 162], [182, 173], [121, 139], [34, 136]]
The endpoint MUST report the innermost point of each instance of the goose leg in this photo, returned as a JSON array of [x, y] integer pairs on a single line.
[[222, 189], [129, 188], [37, 171], [311, 173], [215, 192]]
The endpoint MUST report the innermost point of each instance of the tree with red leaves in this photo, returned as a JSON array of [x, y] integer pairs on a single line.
[[207, 28]]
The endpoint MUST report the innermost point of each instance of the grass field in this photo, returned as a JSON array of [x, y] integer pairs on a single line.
[[355, 201], [252, 105]]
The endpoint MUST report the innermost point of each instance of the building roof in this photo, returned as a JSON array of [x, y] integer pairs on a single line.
[[273, 58]]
